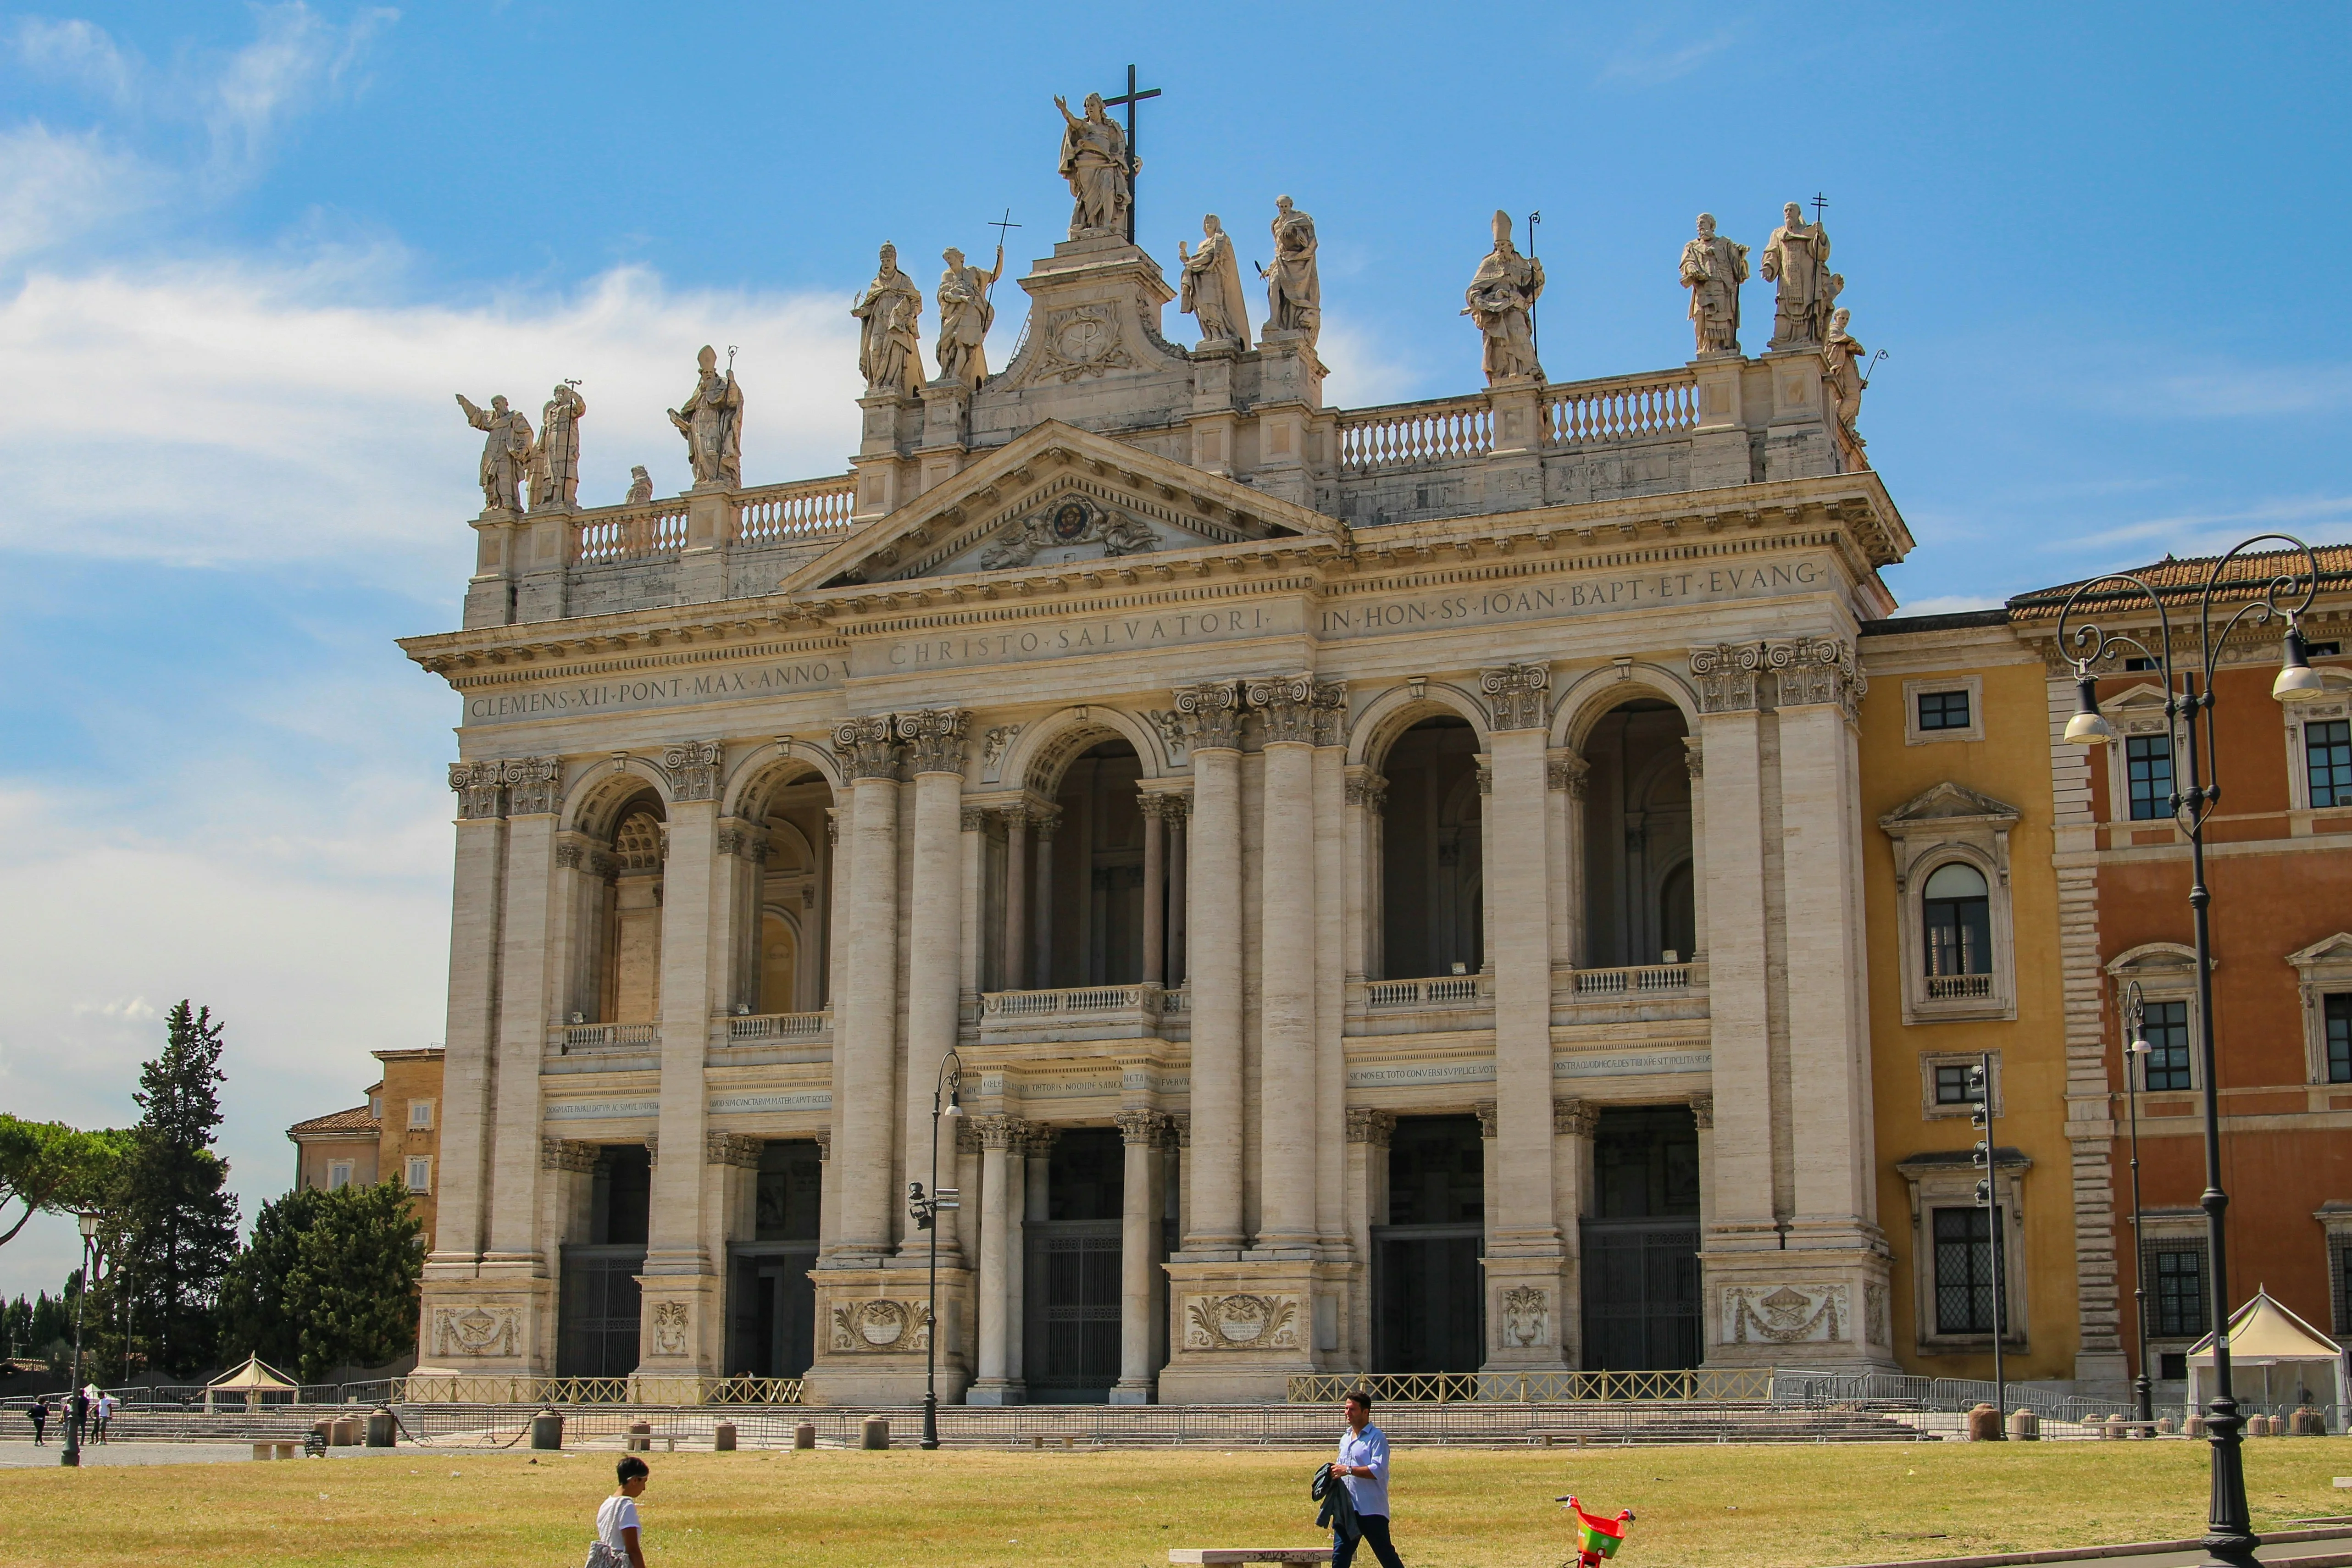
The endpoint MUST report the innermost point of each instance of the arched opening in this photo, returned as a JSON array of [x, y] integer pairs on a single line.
[[787, 892], [1640, 1244], [1639, 904], [628, 929], [1956, 906], [1094, 895], [779, 963], [1432, 856]]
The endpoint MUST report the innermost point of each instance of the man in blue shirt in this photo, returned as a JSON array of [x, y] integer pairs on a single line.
[[1363, 1466]]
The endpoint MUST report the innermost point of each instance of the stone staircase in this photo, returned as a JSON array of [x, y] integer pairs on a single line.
[[1753, 1424]]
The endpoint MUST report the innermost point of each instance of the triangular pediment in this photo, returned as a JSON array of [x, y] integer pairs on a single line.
[[1058, 497], [2336, 949], [1948, 803]]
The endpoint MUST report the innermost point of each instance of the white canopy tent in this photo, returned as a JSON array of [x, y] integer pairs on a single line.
[[252, 1380], [2276, 1362]]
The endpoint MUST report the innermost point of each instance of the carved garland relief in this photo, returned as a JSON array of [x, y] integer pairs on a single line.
[[881, 1325], [1786, 1314], [1241, 1322], [1527, 1316], [476, 1331]]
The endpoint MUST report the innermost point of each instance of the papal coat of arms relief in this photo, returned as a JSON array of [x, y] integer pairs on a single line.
[[669, 1329], [1082, 340], [476, 1330], [1241, 1321], [1786, 1314], [1068, 523], [881, 1325]]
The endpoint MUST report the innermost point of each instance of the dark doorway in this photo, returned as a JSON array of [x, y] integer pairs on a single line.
[[772, 1320], [1432, 868], [1427, 1297], [1095, 901], [1070, 1344], [1641, 1247], [598, 1302]]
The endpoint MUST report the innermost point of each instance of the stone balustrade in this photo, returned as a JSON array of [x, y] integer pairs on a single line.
[[1959, 988], [796, 513], [1463, 989], [1640, 980], [578, 1037], [1437, 1002], [1411, 434], [1621, 408], [791, 1028], [1080, 1012], [628, 533]]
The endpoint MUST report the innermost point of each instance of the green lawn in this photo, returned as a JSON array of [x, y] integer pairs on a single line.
[[1748, 1505]]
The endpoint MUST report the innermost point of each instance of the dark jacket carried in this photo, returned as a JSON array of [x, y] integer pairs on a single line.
[[1339, 1515]]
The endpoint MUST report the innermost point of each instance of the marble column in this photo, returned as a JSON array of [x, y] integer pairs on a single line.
[[1037, 1152], [1702, 1113], [935, 742], [1573, 1123], [972, 824], [999, 1219], [867, 1041], [1155, 887], [1212, 1168], [1287, 972], [1368, 1180], [1140, 1133], [1695, 756], [1565, 772], [1014, 961], [1045, 821], [477, 918], [527, 972], [1331, 994], [1178, 970]]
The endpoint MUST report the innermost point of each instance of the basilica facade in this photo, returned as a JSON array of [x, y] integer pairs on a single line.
[[1344, 891]]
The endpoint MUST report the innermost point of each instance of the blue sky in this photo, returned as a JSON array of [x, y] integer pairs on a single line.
[[247, 252]]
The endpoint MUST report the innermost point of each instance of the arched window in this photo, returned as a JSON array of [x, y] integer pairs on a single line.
[[1956, 910]]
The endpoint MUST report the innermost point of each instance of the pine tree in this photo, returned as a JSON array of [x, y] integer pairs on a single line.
[[175, 1221], [329, 1279]]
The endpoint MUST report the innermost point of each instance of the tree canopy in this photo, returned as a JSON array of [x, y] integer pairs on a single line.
[[328, 1280], [175, 1230], [47, 1167]]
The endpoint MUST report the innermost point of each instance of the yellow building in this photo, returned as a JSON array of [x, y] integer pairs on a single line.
[[396, 1136], [1963, 915]]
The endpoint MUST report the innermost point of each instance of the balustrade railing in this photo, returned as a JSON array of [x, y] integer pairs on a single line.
[[1441, 991], [1621, 409], [786, 514], [1959, 988], [1641, 979], [1534, 1387], [631, 535], [1406, 435], [816, 1026], [1077, 999], [606, 1036]]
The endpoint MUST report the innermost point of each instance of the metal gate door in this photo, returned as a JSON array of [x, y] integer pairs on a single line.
[[1070, 1286], [1641, 1294]]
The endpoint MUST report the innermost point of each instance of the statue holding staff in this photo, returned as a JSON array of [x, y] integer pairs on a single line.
[[555, 459], [712, 422], [1798, 259], [875, 309], [966, 313], [1212, 286], [1501, 298], [506, 455]]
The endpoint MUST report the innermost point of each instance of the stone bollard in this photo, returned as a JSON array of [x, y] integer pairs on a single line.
[[1984, 1424], [722, 1438], [2306, 1422], [547, 1430], [641, 1438], [877, 1433], [383, 1428], [2024, 1425], [344, 1432], [805, 1435], [2166, 1425], [2258, 1426], [2193, 1427], [2112, 1426]]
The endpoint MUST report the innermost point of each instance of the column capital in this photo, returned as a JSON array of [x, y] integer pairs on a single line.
[[1212, 712], [533, 785], [1044, 819], [566, 1154], [1486, 1118], [935, 739], [1486, 773], [1298, 709], [1564, 768], [1366, 1126], [1575, 1118], [1365, 787], [868, 746], [1703, 1110], [1158, 803], [1179, 1128], [1037, 1139], [999, 1131], [1695, 755], [1801, 673], [973, 820], [482, 789], [967, 1136], [693, 768], [824, 1136], [732, 1149], [1515, 694], [1144, 1127], [745, 839]]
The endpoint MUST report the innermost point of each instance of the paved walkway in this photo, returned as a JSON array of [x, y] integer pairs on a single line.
[[20, 1456]]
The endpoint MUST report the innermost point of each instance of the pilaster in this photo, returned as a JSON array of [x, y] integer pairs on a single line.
[[1141, 1135], [866, 1038], [935, 740], [1212, 1169], [1719, 447], [697, 936], [528, 974], [1514, 468], [947, 433], [890, 427], [709, 532], [500, 539], [1290, 391], [1287, 972]]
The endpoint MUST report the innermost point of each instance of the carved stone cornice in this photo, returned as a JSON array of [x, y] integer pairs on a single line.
[[1368, 790], [1486, 1118], [1287, 704], [482, 789], [732, 1149], [1140, 1127], [1703, 1110], [566, 1154], [533, 784], [1212, 711], [1515, 694], [1575, 1118], [693, 768], [1567, 770], [868, 746], [935, 739], [1366, 1126]]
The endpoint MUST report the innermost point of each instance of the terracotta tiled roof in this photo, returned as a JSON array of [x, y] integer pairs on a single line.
[[355, 1120], [2180, 579]]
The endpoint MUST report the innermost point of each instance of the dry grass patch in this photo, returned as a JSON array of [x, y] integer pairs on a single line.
[[1754, 1506]]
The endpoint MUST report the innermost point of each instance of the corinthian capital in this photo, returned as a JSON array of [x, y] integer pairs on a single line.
[[934, 739], [532, 784], [868, 746], [1289, 704], [1213, 712], [1515, 694], [1727, 677], [693, 768], [1565, 769], [1818, 670], [482, 789]]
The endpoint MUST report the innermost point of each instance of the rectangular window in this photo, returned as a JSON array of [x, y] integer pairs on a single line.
[[1943, 710], [2148, 766], [2172, 1365], [1952, 1085], [1964, 1302], [339, 1175], [2327, 753], [2338, 1012], [420, 1173], [2176, 1293], [2164, 1025], [420, 1113]]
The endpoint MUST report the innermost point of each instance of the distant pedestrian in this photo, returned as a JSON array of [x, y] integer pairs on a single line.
[[1363, 1466], [77, 1414], [106, 1406], [616, 1544], [40, 1417]]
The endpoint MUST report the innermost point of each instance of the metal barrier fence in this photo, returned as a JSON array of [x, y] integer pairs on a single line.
[[1535, 1387]]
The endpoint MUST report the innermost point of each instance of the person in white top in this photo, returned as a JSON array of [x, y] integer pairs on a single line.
[[106, 1403], [1363, 1465], [616, 1544]]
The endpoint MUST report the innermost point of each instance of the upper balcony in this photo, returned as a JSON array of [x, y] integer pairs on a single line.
[[1085, 1013], [1444, 1003]]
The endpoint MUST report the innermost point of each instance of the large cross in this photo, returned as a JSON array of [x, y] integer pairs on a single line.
[[1131, 98]]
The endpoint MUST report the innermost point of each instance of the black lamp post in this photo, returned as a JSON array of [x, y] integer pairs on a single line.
[[71, 1457], [2229, 1538], [947, 1102], [2135, 1068], [1988, 1156]]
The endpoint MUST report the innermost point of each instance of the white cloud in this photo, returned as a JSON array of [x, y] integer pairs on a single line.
[[1948, 604], [57, 187], [297, 58], [79, 51], [1363, 368], [2323, 519], [276, 415], [1651, 61]]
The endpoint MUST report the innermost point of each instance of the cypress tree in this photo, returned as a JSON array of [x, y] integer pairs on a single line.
[[174, 1222]]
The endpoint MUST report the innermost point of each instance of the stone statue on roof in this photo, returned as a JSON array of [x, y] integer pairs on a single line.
[[1712, 269], [1501, 301], [877, 308], [1798, 259], [1294, 290], [1212, 286], [712, 422], [1095, 161], [555, 459], [506, 455], [966, 314]]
